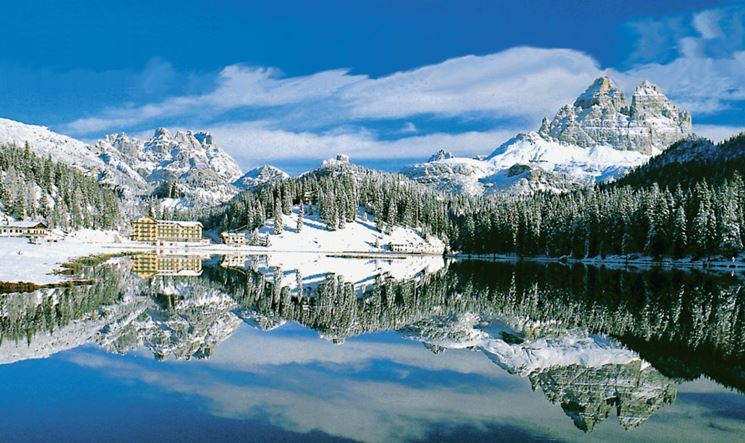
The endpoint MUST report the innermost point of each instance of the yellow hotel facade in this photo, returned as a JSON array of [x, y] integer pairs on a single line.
[[149, 230]]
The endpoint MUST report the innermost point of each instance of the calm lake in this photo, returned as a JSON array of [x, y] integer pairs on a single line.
[[173, 348]]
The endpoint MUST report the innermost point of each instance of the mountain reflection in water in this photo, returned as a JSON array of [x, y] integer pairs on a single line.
[[595, 342]]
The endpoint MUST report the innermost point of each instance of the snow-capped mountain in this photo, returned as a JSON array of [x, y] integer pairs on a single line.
[[200, 169], [598, 138], [602, 116], [257, 177], [188, 168], [73, 153]]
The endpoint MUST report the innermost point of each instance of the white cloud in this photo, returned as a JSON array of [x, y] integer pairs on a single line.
[[707, 24], [717, 133], [518, 83], [257, 143]]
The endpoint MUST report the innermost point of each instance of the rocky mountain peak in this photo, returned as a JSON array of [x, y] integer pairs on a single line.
[[442, 154], [204, 137], [602, 92], [162, 133], [259, 176], [601, 116]]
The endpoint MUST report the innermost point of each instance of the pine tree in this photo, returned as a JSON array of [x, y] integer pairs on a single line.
[[300, 217], [730, 243], [278, 222], [679, 236]]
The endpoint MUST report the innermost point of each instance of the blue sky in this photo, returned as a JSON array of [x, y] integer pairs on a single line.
[[293, 81]]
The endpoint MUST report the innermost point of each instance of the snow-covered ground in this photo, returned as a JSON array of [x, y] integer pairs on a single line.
[[21, 261], [358, 236]]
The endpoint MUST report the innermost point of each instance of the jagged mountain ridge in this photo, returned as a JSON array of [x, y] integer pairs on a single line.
[[200, 171], [598, 138], [602, 116]]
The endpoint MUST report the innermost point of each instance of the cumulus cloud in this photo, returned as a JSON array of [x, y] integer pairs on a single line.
[[258, 142], [717, 133], [520, 82]]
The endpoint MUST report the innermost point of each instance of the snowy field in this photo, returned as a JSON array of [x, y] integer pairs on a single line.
[[21, 261], [358, 236]]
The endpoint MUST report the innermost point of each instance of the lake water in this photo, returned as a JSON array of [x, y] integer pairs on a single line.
[[246, 349]]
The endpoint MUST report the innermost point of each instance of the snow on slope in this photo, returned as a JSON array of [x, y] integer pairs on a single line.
[[45, 142], [549, 165], [358, 236]]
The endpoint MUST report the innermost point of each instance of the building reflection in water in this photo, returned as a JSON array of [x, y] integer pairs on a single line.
[[151, 264]]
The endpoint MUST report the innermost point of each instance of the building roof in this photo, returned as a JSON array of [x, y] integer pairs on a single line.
[[149, 219], [145, 218], [185, 223], [23, 224]]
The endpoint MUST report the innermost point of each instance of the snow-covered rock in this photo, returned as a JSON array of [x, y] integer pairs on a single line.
[[259, 176], [442, 154], [203, 171], [602, 116]]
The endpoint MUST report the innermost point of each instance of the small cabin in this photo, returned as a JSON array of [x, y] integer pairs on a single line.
[[26, 229]]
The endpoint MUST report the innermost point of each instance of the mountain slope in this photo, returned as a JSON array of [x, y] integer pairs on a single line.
[[690, 161]]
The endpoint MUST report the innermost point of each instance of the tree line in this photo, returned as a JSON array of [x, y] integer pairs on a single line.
[[699, 220], [36, 188]]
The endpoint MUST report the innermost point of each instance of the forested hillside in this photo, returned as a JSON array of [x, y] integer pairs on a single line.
[[697, 220], [690, 161], [36, 188]]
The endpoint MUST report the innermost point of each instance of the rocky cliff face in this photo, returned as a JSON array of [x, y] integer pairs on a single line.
[[602, 116]]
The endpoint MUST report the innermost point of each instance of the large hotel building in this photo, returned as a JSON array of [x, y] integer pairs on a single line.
[[149, 230]]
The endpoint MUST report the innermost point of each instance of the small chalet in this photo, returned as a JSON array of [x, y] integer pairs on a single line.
[[234, 238], [24, 229]]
